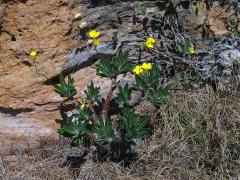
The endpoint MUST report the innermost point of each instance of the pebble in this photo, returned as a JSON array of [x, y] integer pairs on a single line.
[[90, 41], [83, 25], [77, 16]]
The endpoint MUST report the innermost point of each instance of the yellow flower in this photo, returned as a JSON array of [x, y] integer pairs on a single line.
[[146, 66], [96, 42], [150, 42], [81, 104], [191, 50], [94, 34], [33, 54], [138, 70]]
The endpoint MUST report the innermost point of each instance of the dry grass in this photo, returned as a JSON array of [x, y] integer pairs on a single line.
[[198, 138]]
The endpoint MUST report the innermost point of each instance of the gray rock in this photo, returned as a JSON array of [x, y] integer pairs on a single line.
[[222, 58], [20, 134], [77, 58], [228, 57]]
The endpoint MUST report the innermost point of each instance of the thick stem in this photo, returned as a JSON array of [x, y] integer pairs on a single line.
[[106, 104], [95, 117]]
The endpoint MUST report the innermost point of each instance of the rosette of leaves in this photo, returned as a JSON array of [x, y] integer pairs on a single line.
[[104, 132], [124, 95], [157, 96], [119, 64], [148, 79], [77, 132], [92, 93], [132, 125], [83, 114], [149, 84], [140, 10], [65, 89], [182, 48]]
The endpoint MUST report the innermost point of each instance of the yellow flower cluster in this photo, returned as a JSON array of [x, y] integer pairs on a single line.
[[150, 42], [33, 54], [140, 69], [94, 34]]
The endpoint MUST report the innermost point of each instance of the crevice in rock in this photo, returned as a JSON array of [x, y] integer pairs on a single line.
[[13, 38], [14, 112], [27, 63]]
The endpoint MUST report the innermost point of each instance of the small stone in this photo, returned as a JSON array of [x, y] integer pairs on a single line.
[[151, 10], [83, 25], [90, 41], [141, 17], [77, 16]]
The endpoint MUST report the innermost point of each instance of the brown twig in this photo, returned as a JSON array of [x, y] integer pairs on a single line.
[[106, 104], [95, 116]]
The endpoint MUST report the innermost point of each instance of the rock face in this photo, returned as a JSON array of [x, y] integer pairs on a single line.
[[19, 134], [27, 99], [25, 26], [215, 21]]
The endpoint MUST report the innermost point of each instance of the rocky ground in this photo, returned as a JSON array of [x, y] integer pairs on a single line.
[[28, 105]]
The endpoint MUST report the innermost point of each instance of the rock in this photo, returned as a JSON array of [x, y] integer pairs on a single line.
[[228, 57], [77, 16], [44, 27], [221, 59], [83, 25], [216, 20], [90, 42], [78, 59], [23, 133]]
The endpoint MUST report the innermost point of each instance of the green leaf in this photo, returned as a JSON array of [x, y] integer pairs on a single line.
[[186, 46], [93, 93], [180, 49], [84, 114], [76, 132], [124, 94], [236, 33], [148, 80], [63, 82], [140, 10], [157, 96], [65, 89], [104, 68], [104, 131], [119, 64], [133, 125], [197, 8]]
